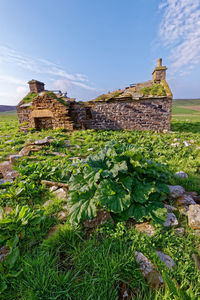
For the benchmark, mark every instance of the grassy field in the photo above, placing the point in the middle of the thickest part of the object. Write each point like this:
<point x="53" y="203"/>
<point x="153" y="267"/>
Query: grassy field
<point x="183" y="110"/>
<point x="76" y="264"/>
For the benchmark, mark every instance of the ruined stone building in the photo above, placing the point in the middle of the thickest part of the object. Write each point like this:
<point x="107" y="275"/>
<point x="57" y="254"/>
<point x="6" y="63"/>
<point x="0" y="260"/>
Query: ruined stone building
<point x="142" y="106"/>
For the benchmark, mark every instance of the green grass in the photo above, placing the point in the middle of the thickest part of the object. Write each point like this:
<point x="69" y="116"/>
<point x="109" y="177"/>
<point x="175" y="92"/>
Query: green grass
<point x="75" y="264"/>
<point x="186" y="102"/>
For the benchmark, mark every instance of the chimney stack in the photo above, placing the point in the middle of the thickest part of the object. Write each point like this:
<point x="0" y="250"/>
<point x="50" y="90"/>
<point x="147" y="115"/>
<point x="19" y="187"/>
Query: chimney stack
<point x="159" y="72"/>
<point x="36" y="86"/>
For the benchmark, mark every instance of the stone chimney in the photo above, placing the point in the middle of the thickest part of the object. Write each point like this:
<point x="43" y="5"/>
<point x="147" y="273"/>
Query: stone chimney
<point x="159" y="72"/>
<point x="36" y="86"/>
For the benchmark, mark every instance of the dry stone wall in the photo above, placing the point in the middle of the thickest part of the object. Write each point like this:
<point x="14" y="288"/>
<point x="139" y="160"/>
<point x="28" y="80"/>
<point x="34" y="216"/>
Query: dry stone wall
<point x="147" y="114"/>
<point x="124" y="114"/>
<point x="46" y="112"/>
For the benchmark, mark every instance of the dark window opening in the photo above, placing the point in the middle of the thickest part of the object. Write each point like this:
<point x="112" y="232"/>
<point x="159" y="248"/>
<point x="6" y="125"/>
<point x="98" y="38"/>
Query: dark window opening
<point x="43" y="123"/>
<point x="88" y="113"/>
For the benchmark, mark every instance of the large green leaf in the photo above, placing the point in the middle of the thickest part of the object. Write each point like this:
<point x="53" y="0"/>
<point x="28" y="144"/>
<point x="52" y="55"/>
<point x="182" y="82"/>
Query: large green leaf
<point x="113" y="196"/>
<point x="82" y="206"/>
<point x="142" y="191"/>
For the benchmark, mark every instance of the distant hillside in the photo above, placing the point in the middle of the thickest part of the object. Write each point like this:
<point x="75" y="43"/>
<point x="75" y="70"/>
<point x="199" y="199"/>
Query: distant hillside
<point x="7" y="108"/>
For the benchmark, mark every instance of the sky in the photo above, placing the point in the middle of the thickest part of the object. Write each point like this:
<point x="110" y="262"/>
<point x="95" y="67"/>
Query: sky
<point x="89" y="47"/>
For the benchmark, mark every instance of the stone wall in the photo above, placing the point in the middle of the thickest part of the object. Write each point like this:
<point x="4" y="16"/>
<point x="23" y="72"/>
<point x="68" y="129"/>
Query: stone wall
<point x="124" y="114"/>
<point x="44" y="112"/>
<point x="145" y="114"/>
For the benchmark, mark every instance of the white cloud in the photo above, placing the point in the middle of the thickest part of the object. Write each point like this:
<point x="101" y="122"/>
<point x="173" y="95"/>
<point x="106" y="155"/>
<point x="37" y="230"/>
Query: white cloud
<point x="180" y="32"/>
<point x="39" y="66"/>
<point x="11" y="79"/>
<point x="62" y="84"/>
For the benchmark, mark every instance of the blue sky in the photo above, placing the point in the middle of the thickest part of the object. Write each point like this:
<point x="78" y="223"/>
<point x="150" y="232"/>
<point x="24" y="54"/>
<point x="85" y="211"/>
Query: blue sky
<point x="88" y="47"/>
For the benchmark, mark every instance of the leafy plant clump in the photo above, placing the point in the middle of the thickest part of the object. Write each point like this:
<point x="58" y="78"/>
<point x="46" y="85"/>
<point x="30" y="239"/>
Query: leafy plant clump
<point x="21" y="224"/>
<point x="121" y="179"/>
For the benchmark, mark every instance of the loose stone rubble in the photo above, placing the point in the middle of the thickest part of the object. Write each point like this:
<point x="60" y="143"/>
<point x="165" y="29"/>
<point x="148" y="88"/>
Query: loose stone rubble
<point x="194" y="216"/>
<point x="171" y="220"/>
<point x="151" y="275"/>
<point x="166" y="259"/>
<point x="179" y="231"/>
<point x="176" y="191"/>
<point x="181" y="174"/>
<point x="60" y="193"/>
<point x="185" y="199"/>
<point x="146" y="228"/>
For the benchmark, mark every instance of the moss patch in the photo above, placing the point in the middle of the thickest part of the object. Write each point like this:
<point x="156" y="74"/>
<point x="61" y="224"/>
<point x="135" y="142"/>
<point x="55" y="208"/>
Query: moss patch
<point x="29" y="98"/>
<point x="61" y="100"/>
<point x="106" y="97"/>
<point x="155" y="90"/>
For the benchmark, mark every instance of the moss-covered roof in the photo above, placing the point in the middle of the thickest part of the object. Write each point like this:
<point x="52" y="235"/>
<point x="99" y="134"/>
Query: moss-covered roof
<point x="144" y="90"/>
<point x="31" y="96"/>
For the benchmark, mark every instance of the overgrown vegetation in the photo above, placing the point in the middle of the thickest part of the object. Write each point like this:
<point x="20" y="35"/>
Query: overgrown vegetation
<point x="74" y="264"/>
<point x="29" y="98"/>
<point x="120" y="178"/>
<point x="154" y="90"/>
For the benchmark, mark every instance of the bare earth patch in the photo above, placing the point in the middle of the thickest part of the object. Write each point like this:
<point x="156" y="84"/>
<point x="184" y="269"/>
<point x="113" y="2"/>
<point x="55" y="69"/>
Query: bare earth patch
<point x="193" y="107"/>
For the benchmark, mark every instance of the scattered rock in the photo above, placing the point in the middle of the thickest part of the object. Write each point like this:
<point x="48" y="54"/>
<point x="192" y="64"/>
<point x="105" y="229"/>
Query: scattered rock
<point x="146" y="228"/>
<point x="102" y="217"/>
<point x="176" y="139"/>
<point x="53" y="188"/>
<point x="62" y="215"/>
<point x="175" y="144"/>
<point x="170" y="208"/>
<point x="47" y="140"/>
<point x="47" y="203"/>
<point x="67" y="142"/>
<point x="90" y="149"/>
<point x="185" y="199"/>
<point x="171" y="220"/>
<point x="6" y="169"/>
<point x="29" y="148"/>
<point x="4" y="252"/>
<point x="166" y="259"/>
<point x="192" y="194"/>
<point x="2" y="181"/>
<point x="181" y="174"/>
<point x="77" y="146"/>
<point x="52" y="183"/>
<point x="59" y="154"/>
<point x="179" y="231"/>
<point x="13" y="158"/>
<point x="151" y="275"/>
<point x="60" y="193"/>
<point x="74" y="158"/>
<point x="176" y="191"/>
<point x="9" y="142"/>
<point x="187" y="144"/>
<point x="196" y="260"/>
<point x="194" y="216"/>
